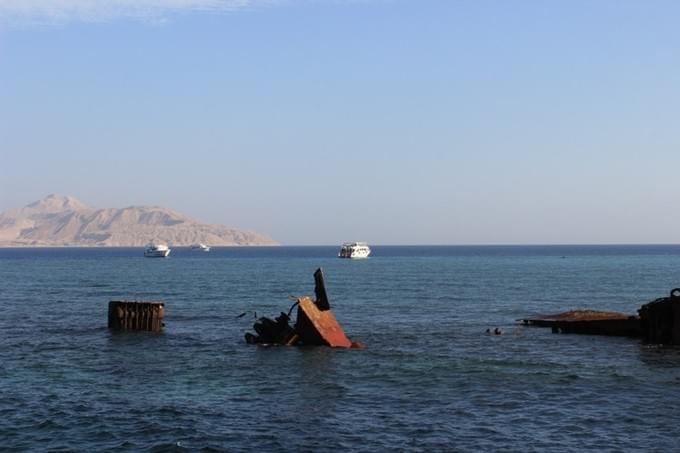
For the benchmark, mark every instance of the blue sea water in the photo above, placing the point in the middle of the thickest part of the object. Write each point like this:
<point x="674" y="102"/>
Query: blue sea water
<point x="430" y="378"/>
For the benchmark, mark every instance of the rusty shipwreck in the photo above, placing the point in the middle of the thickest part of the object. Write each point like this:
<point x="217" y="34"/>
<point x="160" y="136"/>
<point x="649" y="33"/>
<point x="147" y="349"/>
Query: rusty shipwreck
<point x="315" y="324"/>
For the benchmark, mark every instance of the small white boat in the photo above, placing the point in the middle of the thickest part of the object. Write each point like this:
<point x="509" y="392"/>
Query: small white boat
<point x="157" y="251"/>
<point x="200" y="248"/>
<point x="354" y="250"/>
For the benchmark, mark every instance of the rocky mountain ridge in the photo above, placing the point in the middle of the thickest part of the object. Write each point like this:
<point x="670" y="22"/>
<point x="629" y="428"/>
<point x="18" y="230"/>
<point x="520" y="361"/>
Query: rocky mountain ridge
<point x="59" y="220"/>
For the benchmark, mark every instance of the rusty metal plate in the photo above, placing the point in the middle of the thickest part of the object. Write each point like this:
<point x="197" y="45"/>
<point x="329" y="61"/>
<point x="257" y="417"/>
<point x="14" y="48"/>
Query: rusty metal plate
<point x="319" y="327"/>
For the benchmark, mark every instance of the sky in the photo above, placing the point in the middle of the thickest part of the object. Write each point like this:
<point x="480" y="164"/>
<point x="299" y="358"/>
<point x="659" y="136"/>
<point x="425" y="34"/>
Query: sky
<point x="323" y="121"/>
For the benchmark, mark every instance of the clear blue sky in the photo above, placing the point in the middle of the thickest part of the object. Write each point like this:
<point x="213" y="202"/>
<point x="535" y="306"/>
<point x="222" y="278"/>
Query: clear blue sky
<point x="395" y="122"/>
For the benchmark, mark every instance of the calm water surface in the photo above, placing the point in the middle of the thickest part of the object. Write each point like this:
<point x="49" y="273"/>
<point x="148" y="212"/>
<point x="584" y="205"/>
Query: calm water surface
<point x="430" y="379"/>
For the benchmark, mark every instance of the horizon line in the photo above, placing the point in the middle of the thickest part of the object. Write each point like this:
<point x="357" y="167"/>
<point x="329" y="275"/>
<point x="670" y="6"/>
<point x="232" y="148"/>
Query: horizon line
<point x="594" y="244"/>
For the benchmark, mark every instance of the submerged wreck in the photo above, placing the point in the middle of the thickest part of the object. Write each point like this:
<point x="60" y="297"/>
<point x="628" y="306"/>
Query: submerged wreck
<point x="315" y="324"/>
<point x="136" y="315"/>
<point x="657" y="322"/>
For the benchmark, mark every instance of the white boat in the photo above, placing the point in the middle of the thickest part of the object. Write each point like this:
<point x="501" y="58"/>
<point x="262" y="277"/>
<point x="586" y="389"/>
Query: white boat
<point x="354" y="250"/>
<point x="200" y="248"/>
<point x="156" y="251"/>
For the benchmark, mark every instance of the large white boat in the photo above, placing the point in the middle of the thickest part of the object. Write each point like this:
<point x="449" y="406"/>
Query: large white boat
<point x="200" y="248"/>
<point x="156" y="251"/>
<point x="354" y="250"/>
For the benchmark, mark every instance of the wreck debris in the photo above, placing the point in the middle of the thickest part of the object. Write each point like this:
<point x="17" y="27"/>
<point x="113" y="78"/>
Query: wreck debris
<point x="658" y="321"/>
<point x="269" y="331"/>
<point x="319" y="327"/>
<point x="315" y="323"/>
<point x="320" y="291"/>
<point x="591" y="322"/>
<point x="136" y="315"/>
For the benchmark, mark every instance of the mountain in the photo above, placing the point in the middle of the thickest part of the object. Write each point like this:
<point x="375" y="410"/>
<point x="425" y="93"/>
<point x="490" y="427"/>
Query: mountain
<point x="59" y="220"/>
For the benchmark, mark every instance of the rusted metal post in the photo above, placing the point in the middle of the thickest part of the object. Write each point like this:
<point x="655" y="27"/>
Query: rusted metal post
<point x="136" y="315"/>
<point x="321" y="301"/>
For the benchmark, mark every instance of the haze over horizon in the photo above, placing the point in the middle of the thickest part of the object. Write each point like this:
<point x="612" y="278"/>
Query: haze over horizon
<point x="318" y="122"/>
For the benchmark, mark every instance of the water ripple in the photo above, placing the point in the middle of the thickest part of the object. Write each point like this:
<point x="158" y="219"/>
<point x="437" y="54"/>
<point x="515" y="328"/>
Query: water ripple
<point x="430" y="378"/>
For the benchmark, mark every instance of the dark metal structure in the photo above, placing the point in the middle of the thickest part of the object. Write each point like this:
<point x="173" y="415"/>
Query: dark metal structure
<point x="136" y="315"/>
<point x="660" y="319"/>
<point x="315" y="323"/>
<point x="657" y="322"/>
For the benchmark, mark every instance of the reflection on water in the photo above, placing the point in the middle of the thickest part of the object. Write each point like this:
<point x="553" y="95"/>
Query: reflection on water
<point x="659" y="356"/>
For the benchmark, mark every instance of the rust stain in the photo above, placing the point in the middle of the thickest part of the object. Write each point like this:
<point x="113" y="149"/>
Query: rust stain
<point x="316" y="326"/>
<point x="136" y="315"/>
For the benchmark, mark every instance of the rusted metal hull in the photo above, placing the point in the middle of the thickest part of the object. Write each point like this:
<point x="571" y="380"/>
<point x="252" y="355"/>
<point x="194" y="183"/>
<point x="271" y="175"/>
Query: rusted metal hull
<point x="658" y="321"/>
<point x="136" y="315"/>
<point x="315" y="324"/>
<point x="319" y="327"/>
<point x="590" y="322"/>
<point x="269" y="331"/>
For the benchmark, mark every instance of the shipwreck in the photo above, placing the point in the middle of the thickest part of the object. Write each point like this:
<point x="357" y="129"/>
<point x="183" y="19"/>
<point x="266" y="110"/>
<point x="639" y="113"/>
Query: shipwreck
<point x="315" y="324"/>
<point x="136" y="315"/>
<point x="656" y="322"/>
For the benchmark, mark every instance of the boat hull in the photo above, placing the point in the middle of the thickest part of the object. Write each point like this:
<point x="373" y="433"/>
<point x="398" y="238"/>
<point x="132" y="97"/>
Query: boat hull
<point x="157" y="253"/>
<point x="351" y="252"/>
<point x="354" y="256"/>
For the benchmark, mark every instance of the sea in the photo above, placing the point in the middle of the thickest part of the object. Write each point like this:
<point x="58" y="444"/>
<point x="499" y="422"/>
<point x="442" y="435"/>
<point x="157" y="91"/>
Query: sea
<point x="429" y="379"/>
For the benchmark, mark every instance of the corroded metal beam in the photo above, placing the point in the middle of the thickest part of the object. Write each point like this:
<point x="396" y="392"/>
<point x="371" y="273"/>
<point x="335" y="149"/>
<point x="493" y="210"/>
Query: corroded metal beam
<point x="136" y="315"/>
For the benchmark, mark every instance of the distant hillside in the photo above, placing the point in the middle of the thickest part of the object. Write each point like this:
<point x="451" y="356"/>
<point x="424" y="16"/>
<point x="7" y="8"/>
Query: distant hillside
<point x="61" y="220"/>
